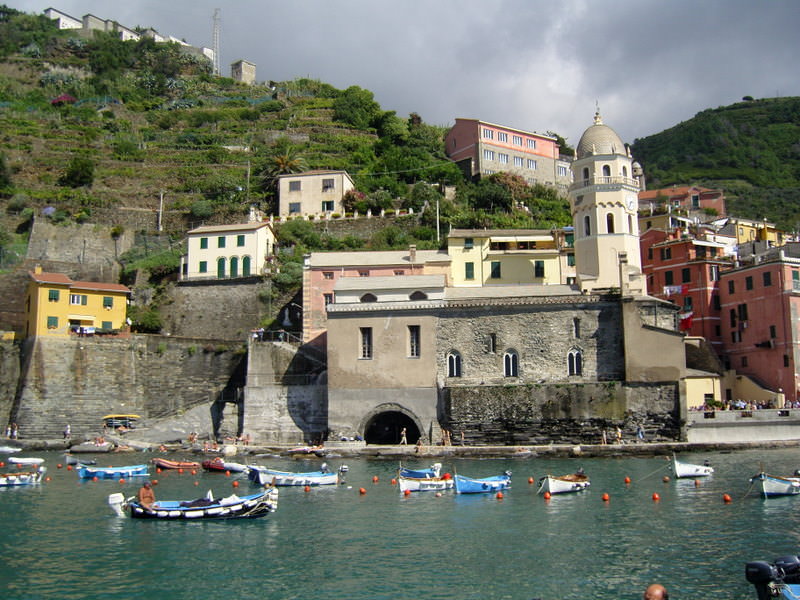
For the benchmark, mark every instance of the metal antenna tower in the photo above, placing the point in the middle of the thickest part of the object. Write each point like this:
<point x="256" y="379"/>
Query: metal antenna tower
<point x="215" y="41"/>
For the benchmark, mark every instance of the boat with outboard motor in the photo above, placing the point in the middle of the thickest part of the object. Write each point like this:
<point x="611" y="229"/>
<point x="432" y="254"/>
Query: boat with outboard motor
<point x="201" y="509"/>
<point x="165" y="463"/>
<point x="778" y="579"/>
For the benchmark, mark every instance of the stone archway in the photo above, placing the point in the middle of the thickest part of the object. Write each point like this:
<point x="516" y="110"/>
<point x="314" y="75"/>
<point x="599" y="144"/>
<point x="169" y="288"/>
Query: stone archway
<point x="384" y="424"/>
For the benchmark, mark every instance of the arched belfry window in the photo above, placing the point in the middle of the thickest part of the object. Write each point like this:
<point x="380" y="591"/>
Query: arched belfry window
<point x="511" y="364"/>
<point x="575" y="362"/>
<point x="587" y="226"/>
<point x="454" y="364"/>
<point x="624" y="171"/>
<point x="369" y="298"/>
<point x="585" y="173"/>
<point x="606" y="170"/>
<point x="418" y="296"/>
<point x="610" y="223"/>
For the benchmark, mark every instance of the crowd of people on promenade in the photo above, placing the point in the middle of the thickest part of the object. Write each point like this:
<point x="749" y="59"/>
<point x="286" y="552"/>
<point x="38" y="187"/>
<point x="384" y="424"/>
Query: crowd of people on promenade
<point x="740" y="404"/>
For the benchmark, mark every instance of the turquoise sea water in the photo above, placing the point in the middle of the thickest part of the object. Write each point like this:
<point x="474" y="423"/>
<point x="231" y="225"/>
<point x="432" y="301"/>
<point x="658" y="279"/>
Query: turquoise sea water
<point x="61" y="540"/>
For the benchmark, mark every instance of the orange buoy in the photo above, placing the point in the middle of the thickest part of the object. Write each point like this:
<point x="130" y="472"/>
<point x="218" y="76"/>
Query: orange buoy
<point x="656" y="497"/>
<point x="154" y="482"/>
<point x="227" y="473"/>
<point x="194" y="471"/>
<point x="665" y="479"/>
<point x="394" y="481"/>
<point x="530" y="480"/>
<point x="197" y="483"/>
<point x="374" y="479"/>
<point x="499" y="495"/>
<point x="58" y="466"/>
<point x="438" y="494"/>
<point x="19" y="466"/>
<point x="69" y="467"/>
<point x="235" y="484"/>
<point x="180" y="471"/>
<point x="627" y="480"/>
<point x="696" y="483"/>
<point x="407" y="493"/>
<point x="122" y="480"/>
<point x="158" y="469"/>
<point x="546" y="495"/>
<point x="606" y="497"/>
<point x="447" y="476"/>
<point x="362" y="491"/>
<point x="47" y="478"/>
<point x="2" y="464"/>
<point x="95" y="478"/>
<point x="726" y="499"/>
<point x="307" y="488"/>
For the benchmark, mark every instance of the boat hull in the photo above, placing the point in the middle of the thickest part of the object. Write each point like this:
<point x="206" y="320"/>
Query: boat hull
<point x="89" y="472"/>
<point x="433" y="471"/>
<point x="486" y="485"/>
<point x="163" y="463"/>
<point x="688" y="470"/>
<point x="219" y="465"/>
<point x="22" y="478"/>
<point x="264" y="476"/>
<point x="245" y="507"/>
<point x="424" y="484"/>
<point x="561" y="485"/>
<point x="771" y="486"/>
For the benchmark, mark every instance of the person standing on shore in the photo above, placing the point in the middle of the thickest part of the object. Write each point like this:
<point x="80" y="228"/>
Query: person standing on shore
<point x="403" y="439"/>
<point x="67" y="432"/>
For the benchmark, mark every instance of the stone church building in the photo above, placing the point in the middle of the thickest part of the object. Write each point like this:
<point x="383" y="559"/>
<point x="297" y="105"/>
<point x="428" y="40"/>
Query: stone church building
<point x="522" y="363"/>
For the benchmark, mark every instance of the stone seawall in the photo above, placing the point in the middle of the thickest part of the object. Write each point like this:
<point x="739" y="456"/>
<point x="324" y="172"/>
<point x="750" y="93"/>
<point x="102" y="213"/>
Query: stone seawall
<point x="78" y="380"/>
<point x="9" y="377"/>
<point x="561" y="413"/>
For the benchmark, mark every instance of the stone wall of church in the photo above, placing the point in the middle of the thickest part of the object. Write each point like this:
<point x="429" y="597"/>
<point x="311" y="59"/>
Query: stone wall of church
<point x="561" y="413"/>
<point x="542" y="335"/>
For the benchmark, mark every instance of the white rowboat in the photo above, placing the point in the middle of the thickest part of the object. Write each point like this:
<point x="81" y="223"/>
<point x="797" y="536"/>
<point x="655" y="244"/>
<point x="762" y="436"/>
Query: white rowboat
<point x="773" y="485"/>
<point x="682" y="469"/>
<point x="563" y="484"/>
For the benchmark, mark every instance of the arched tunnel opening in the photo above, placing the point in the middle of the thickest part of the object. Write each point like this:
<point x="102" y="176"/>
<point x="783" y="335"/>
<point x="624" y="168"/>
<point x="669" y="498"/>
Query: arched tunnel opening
<point x="385" y="428"/>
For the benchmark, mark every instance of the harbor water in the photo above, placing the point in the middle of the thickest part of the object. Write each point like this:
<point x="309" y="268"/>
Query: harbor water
<point x="61" y="540"/>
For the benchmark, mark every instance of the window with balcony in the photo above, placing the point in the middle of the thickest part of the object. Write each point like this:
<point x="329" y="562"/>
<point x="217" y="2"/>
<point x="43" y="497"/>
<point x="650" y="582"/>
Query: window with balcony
<point x="327" y="298"/>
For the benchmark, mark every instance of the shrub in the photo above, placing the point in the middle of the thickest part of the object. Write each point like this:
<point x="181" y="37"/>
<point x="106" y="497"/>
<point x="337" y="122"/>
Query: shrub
<point x="79" y="173"/>
<point x="202" y="209"/>
<point x="144" y="320"/>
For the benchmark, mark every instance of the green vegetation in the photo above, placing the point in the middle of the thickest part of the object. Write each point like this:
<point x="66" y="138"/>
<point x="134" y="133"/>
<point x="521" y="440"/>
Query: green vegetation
<point x="750" y="149"/>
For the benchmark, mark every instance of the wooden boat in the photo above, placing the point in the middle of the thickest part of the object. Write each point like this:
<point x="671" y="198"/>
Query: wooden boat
<point x="315" y="450"/>
<point x="433" y="471"/>
<point x="682" y="469"/>
<point x="772" y="485"/>
<point x="217" y="464"/>
<point x="424" y="484"/>
<point x="202" y="509"/>
<point x="485" y="485"/>
<point x="265" y="476"/>
<point x="163" y="463"/>
<point x="21" y="460"/>
<point x="90" y="472"/>
<point x="91" y="447"/>
<point x="22" y="477"/>
<point x="575" y="482"/>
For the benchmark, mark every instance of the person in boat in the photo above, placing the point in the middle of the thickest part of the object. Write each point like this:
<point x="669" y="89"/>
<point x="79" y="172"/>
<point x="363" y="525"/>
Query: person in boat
<point x="655" y="591"/>
<point x="146" y="497"/>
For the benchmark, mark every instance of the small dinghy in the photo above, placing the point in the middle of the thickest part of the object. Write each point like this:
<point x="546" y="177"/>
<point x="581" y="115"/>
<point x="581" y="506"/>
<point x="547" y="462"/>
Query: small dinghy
<point x="433" y="471"/>
<point x="9" y="449"/>
<point x="575" y="482"/>
<point x="687" y="470"/>
<point x="74" y="460"/>
<point x="22" y="477"/>
<point x="219" y="465"/>
<point x="21" y="460"/>
<point x="201" y="509"/>
<point x="90" y="472"/>
<point x="771" y="486"/>
<point x="485" y="485"/>
<point x="265" y="476"/>
<point x="163" y="463"/>
<point x="425" y="484"/>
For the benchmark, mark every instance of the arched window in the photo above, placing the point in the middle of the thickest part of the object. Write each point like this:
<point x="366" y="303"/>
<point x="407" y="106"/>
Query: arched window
<point x="234" y="266"/>
<point x="575" y="362"/>
<point x="610" y="223"/>
<point x="369" y="298"/>
<point x="245" y="266"/>
<point x="606" y="171"/>
<point x="221" y="268"/>
<point x="587" y="226"/>
<point x="418" y="296"/>
<point x="624" y="171"/>
<point x="454" y="364"/>
<point x="585" y="174"/>
<point x="511" y="364"/>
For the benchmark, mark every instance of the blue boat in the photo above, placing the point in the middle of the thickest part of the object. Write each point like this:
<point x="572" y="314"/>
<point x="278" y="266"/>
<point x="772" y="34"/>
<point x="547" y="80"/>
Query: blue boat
<point x="265" y="476"/>
<point x="429" y="473"/>
<point x="484" y="485"/>
<point x="90" y="472"/>
<point x="778" y="579"/>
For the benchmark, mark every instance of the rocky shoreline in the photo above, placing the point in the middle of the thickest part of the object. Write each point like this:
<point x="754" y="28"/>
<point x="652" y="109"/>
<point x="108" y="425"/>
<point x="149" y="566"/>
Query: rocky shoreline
<point x="362" y="450"/>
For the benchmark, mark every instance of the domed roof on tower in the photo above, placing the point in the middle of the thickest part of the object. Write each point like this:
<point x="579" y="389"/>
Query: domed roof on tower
<point x="600" y="139"/>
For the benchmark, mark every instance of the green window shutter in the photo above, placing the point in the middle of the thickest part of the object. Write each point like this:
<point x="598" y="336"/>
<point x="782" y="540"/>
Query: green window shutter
<point x="469" y="270"/>
<point x="52" y="322"/>
<point x="84" y="300"/>
<point x="221" y="241"/>
<point x="108" y="302"/>
<point x="107" y="325"/>
<point x="53" y="295"/>
<point x="240" y="240"/>
<point x="203" y="267"/>
<point x="203" y="243"/>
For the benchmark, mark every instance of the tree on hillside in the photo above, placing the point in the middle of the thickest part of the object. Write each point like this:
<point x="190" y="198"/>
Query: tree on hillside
<point x="5" y="172"/>
<point x="357" y="107"/>
<point x="79" y="173"/>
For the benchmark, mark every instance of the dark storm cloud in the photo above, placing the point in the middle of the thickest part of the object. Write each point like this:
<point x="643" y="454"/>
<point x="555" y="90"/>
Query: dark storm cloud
<point x="528" y="64"/>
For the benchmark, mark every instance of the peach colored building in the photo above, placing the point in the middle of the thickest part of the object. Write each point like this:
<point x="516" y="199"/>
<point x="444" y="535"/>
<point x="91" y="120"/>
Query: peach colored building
<point x="688" y="198"/>
<point x="322" y="270"/>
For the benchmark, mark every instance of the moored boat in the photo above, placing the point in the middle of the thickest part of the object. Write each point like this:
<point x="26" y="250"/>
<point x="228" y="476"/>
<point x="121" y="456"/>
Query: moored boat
<point x="424" y="484"/>
<point x="22" y="477"/>
<point x="264" y="476"/>
<point x="164" y="463"/>
<point x="22" y="460"/>
<point x="574" y="482"/>
<point x="483" y="485"/>
<point x="91" y="447"/>
<point x="90" y="472"/>
<point x="220" y="465"/>
<point x="778" y="579"/>
<point x="773" y="485"/>
<point x="682" y="469"/>
<point x="433" y="471"/>
<point x="9" y="449"/>
<point x="202" y="509"/>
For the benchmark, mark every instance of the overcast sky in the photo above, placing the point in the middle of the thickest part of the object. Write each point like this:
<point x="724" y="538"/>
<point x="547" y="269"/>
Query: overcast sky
<point x="530" y="64"/>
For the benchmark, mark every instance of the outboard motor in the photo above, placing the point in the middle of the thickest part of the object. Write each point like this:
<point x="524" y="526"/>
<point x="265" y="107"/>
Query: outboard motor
<point x="767" y="577"/>
<point x="789" y="566"/>
<point x="116" y="502"/>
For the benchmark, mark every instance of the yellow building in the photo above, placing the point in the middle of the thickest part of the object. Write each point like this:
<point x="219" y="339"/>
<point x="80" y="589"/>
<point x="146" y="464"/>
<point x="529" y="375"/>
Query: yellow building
<point x="57" y="305"/>
<point x="483" y="257"/>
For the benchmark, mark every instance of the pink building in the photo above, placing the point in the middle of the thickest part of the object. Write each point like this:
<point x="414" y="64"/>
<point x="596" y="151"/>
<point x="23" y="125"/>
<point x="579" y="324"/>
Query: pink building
<point x="687" y="198"/>
<point x="481" y="148"/>
<point x="686" y="271"/>
<point x="760" y="312"/>
<point x="322" y="270"/>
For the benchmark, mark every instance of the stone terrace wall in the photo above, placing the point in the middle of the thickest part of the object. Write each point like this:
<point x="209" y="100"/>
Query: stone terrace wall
<point x="9" y="377"/>
<point x="561" y="413"/>
<point x="78" y="380"/>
